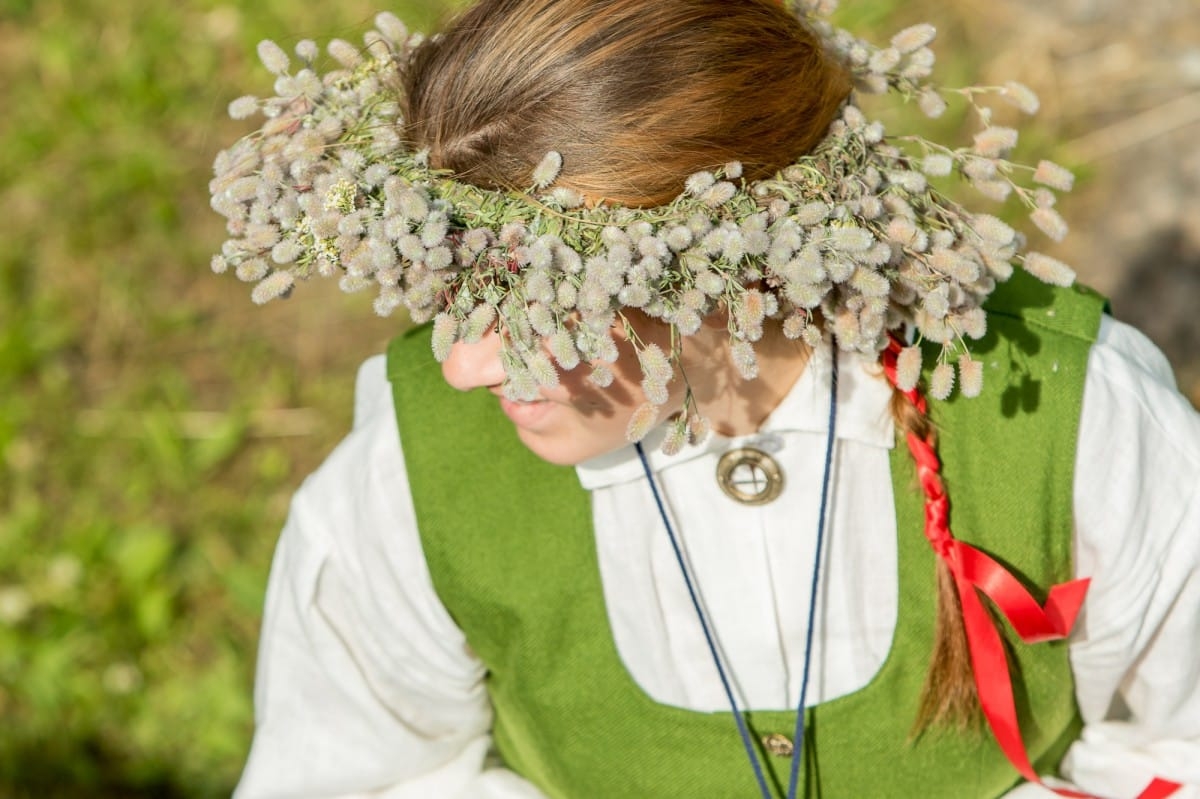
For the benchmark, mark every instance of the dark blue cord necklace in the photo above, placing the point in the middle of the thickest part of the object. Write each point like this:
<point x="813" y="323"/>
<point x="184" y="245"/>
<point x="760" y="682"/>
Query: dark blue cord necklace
<point x="738" y="716"/>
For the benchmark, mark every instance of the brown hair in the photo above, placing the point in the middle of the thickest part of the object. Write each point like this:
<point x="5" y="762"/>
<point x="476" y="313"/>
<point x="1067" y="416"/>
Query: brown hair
<point x="636" y="95"/>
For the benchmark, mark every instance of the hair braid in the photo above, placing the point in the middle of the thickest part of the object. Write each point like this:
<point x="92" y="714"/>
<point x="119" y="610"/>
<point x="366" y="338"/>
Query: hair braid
<point x="948" y="697"/>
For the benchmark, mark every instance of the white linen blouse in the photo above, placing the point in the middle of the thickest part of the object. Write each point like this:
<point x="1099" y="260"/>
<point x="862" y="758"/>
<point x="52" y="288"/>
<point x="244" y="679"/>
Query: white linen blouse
<point x="366" y="687"/>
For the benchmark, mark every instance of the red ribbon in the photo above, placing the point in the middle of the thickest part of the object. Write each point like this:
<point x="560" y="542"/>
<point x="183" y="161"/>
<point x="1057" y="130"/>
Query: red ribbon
<point x="976" y="572"/>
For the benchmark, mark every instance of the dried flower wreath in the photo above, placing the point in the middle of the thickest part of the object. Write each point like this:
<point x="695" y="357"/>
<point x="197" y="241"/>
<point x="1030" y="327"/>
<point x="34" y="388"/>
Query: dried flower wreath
<point x="850" y="240"/>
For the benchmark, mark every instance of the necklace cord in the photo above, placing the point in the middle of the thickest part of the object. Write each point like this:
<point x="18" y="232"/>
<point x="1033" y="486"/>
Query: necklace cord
<point x="708" y="637"/>
<point x="743" y="731"/>
<point x="798" y="737"/>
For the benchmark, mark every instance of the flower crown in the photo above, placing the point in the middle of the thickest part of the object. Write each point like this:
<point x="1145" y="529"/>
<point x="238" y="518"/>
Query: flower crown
<point x="850" y="240"/>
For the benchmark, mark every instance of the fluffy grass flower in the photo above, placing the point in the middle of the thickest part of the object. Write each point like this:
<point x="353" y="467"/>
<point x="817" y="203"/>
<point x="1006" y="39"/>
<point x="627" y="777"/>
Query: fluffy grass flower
<point x="677" y="436"/>
<point x="997" y="190"/>
<point x="931" y="103"/>
<point x="542" y="369"/>
<point x="884" y="60"/>
<point x="718" y="194"/>
<point x="742" y="354"/>
<point x="992" y="230"/>
<point x="1056" y="177"/>
<point x="656" y="393"/>
<point x="937" y="165"/>
<point x="520" y="385"/>
<point x="307" y="51"/>
<point x="941" y="381"/>
<point x="995" y="141"/>
<point x="641" y="422"/>
<point x="699" y="183"/>
<point x="908" y="368"/>
<point x="562" y="347"/>
<point x="392" y="28"/>
<point x="601" y="376"/>
<point x="1021" y="96"/>
<point x="914" y="37"/>
<point x="1049" y="222"/>
<point x="273" y="57"/>
<point x="1048" y="269"/>
<point x="655" y="364"/>
<point x="344" y="53"/>
<point x="970" y="376"/>
<point x="445" y="333"/>
<point x="547" y="170"/>
<point x="851" y="239"/>
<point x="272" y="287"/>
<point x="811" y="213"/>
<point x="243" y="107"/>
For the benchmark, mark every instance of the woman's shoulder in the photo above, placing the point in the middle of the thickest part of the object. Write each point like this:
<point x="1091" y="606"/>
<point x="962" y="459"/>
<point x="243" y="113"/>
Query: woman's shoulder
<point x="1137" y="469"/>
<point x="362" y="484"/>
<point x="354" y="514"/>
<point x="372" y="391"/>
<point x="1130" y="384"/>
<point x="1127" y="351"/>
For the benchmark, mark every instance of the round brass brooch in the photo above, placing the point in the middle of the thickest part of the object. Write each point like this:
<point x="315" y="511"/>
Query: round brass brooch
<point x="749" y="476"/>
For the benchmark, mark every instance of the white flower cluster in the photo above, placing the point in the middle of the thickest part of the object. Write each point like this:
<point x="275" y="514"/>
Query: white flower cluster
<point x="850" y="240"/>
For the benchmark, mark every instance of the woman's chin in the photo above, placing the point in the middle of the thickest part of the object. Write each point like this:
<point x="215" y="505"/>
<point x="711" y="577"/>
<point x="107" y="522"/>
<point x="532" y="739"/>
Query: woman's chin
<point x="549" y="449"/>
<point x="561" y="448"/>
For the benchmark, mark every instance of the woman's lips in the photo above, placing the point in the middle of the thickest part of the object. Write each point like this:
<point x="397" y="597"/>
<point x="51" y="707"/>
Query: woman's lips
<point x="525" y="414"/>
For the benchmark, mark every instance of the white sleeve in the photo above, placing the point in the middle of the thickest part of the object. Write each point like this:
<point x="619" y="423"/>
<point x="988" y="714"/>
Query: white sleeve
<point x="365" y="686"/>
<point x="1135" y="652"/>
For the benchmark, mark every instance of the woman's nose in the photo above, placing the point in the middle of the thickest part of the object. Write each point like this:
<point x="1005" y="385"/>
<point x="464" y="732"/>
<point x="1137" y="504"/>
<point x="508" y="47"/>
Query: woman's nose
<point x="475" y="365"/>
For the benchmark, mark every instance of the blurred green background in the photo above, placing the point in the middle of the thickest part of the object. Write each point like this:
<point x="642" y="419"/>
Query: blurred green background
<point x="153" y="423"/>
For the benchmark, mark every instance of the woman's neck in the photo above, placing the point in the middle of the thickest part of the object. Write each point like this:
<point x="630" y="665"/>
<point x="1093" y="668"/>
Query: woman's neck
<point x="734" y="405"/>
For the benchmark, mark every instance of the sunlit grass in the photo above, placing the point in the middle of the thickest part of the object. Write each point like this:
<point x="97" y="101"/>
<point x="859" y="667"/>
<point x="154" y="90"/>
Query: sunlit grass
<point x="153" y="423"/>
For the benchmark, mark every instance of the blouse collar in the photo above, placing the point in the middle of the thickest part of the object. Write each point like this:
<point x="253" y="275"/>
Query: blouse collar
<point x="863" y="416"/>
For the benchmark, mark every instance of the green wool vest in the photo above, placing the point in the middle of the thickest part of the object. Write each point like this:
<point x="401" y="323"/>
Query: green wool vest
<point x="509" y="543"/>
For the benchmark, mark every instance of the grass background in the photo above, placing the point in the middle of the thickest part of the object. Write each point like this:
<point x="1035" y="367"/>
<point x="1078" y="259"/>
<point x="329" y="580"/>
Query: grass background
<point x="153" y="423"/>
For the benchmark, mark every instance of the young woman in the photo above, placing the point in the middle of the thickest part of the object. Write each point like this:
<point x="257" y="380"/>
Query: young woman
<point x="668" y="223"/>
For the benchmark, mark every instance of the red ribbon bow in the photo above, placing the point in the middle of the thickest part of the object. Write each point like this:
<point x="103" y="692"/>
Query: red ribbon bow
<point x="976" y="572"/>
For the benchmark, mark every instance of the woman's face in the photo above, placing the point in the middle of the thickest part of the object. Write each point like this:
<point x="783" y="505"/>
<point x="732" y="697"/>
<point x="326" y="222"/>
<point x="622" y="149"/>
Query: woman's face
<point x="575" y="420"/>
